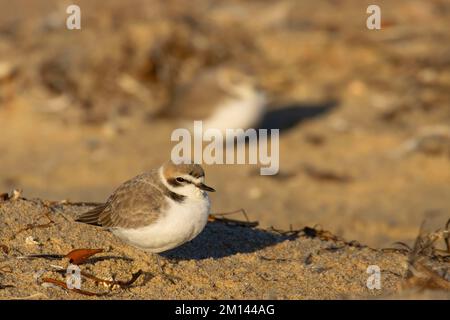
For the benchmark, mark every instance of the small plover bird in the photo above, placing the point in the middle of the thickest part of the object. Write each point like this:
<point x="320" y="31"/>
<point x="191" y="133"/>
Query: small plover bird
<point x="223" y="98"/>
<point x="158" y="210"/>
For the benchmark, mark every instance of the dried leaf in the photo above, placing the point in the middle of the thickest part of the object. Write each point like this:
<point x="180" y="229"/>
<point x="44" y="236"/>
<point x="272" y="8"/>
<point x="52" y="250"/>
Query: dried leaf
<point x="422" y="276"/>
<point x="133" y="279"/>
<point x="4" y="248"/>
<point x="424" y="258"/>
<point x="79" y="256"/>
<point x="63" y="285"/>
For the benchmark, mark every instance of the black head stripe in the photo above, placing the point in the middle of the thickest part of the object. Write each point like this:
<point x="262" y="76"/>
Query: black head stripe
<point x="173" y="182"/>
<point x="175" y="196"/>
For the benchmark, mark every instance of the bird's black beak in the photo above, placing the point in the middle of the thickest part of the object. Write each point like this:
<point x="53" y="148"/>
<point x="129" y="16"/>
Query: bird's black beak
<point x="205" y="187"/>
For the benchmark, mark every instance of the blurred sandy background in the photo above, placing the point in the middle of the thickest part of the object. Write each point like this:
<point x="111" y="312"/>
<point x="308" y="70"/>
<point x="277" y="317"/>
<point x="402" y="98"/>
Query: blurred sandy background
<point x="365" y="144"/>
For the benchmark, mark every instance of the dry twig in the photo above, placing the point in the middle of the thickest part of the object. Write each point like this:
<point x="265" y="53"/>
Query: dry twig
<point x="250" y="224"/>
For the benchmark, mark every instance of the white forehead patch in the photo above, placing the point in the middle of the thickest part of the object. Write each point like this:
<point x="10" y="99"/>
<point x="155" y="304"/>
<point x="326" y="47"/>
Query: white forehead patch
<point x="193" y="179"/>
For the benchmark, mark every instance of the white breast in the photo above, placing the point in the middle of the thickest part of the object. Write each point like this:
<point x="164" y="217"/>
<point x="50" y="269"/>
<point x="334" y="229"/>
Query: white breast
<point x="238" y="113"/>
<point x="181" y="223"/>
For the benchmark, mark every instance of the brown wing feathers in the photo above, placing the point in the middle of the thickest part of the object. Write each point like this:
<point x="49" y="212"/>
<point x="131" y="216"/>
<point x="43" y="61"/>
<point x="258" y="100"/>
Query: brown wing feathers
<point x="137" y="202"/>
<point x="92" y="216"/>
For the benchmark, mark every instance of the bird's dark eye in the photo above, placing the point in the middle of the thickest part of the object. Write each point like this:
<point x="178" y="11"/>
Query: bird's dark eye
<point x="181" y="180"/>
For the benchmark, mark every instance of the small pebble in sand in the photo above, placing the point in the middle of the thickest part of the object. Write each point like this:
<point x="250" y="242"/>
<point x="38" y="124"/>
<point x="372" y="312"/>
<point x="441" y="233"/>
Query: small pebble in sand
<point x="30" y="241"/>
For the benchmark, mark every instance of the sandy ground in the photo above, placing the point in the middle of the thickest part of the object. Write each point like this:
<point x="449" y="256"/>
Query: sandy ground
<point x="364" y="149"/>
<point x="224" y="262"/>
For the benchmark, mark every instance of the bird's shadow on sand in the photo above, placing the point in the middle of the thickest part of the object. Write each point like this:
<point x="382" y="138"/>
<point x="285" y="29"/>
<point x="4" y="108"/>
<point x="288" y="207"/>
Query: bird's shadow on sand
<point x="286" y="117"/>
<point x="220" y="240"/>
